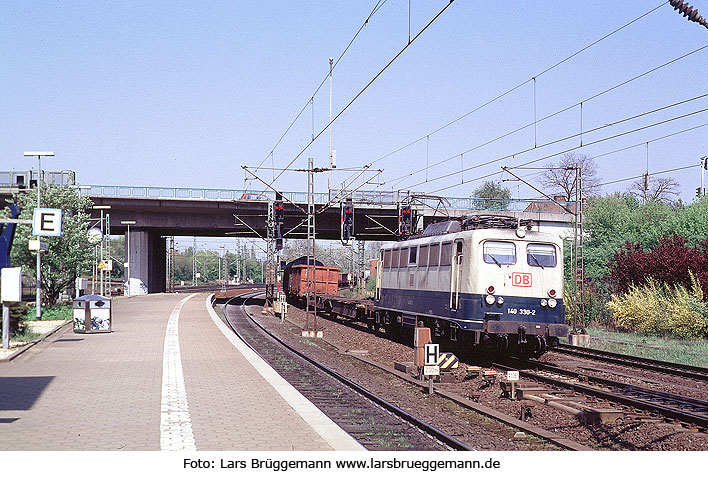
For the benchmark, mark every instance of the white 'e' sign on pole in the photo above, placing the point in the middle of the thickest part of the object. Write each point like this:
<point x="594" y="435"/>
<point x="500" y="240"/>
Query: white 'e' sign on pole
<point x="47" y="222"/>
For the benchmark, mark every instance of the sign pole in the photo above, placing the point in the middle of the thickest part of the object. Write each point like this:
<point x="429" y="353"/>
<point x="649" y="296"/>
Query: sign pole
<point x="39" y="156"/>
<point x="5" y="325"/>
<point x="38" y="295"/>
<point x="431" y="368"/>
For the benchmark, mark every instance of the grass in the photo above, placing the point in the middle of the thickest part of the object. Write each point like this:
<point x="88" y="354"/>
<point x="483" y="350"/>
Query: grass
<point x="28" y="314"/>
<point x="690" y="352"/>
<point x="55" y="312"/>
<point x="26" y="336"/>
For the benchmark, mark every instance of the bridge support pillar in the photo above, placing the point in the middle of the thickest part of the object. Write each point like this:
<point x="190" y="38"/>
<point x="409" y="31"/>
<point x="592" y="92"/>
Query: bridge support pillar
<point x="148" y="259"/>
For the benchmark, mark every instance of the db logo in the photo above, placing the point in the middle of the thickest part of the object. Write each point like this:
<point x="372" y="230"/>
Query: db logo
<point x="521" y="279"/>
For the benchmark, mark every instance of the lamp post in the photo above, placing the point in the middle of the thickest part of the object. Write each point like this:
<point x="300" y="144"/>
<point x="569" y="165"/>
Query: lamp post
<point x="103" y="241"/>
<point x="329" y="181"/>
<point x="39" y="156"/>
<point x="127" y="223"/>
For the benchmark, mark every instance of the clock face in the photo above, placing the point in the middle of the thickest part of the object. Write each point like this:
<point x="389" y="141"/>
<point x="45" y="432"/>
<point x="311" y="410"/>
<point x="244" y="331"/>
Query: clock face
<point x="94" y="235"/>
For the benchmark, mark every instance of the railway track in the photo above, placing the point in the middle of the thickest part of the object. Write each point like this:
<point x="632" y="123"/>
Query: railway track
<point x="672" y="406"/>
<point x="463" y="401"/>
<point x="373" y="422"/>
<point x="678" y="369"/>
<point x="217" y="287"/>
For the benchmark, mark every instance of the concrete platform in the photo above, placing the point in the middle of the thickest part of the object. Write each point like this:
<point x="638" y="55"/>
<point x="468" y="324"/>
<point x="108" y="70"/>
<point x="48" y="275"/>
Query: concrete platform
<point x="170" y="377"/>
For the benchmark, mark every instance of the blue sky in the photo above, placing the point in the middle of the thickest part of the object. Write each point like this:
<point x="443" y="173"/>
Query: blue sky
<point x="185" y="93"/>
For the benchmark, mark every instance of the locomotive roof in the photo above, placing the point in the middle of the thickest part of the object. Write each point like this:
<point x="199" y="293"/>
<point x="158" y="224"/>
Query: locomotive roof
<point x="494" y="233"/>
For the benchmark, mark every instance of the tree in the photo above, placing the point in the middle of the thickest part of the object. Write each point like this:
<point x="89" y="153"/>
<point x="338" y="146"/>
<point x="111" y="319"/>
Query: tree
<point x="68" y="256"/>
<point x="661" y="189"/>
<point x="559" y="177"/>
<point x="491" y="196"/>
<point x="614" y="220"/>
<point x="673" y="262"/>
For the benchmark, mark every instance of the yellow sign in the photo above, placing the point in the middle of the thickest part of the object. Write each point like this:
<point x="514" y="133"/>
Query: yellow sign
<point x="105" y="265"/>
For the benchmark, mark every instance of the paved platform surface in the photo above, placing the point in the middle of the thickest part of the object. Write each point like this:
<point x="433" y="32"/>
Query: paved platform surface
<point x="167" y="378"/>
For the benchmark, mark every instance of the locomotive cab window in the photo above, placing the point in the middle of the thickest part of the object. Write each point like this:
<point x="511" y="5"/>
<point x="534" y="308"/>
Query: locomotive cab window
<point x="413" y="256"/>
<point x="541" y="255"/>
<point x="387" y="259"/>
<point x="434" y="254"/>
<point x="403" y="262"/>
<point x="446" y="254"/>
<point x="394" y="258"/>
<point x="499" y="253"/>
<point x="423" y="256"/>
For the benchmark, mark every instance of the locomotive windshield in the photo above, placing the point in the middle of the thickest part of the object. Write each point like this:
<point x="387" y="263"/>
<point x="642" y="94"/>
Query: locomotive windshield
<point x="500" y="253"/>
<point x="540" y="255"/>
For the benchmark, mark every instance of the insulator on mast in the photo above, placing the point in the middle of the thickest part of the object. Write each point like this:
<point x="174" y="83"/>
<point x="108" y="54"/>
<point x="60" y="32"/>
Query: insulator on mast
<point x="688" y="12"/>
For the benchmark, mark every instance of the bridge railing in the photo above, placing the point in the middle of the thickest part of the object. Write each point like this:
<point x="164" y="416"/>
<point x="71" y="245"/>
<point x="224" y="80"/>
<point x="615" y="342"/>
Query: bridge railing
<point x="17" y="180"/>
<point x="28" y="178"/>
<point x="188" y="193"/>
<point x="378" y="198"/>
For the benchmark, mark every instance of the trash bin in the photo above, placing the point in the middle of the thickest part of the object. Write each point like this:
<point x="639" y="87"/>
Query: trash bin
<point x="92" y="314"/>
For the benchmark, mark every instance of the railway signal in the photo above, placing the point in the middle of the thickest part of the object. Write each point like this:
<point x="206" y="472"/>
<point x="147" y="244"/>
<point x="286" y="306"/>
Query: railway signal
<point x="347" y="228"/>
<point x="279" y="218"/>
<point x="405" y="221"/>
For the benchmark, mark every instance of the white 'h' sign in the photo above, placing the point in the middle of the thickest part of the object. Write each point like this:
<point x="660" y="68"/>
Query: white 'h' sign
<point x="432" y="352"/>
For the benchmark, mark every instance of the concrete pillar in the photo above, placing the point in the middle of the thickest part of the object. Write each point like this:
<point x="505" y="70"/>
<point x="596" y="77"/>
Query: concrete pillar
<point x="148" y="259"/>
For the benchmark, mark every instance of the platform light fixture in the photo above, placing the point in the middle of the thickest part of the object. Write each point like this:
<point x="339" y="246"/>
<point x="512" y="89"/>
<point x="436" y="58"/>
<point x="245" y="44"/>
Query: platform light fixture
<point x="38" y="298"/>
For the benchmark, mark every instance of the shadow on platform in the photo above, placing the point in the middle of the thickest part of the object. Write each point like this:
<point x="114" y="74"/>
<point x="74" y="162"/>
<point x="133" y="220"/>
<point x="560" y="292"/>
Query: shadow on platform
<point x="20" y="393"/>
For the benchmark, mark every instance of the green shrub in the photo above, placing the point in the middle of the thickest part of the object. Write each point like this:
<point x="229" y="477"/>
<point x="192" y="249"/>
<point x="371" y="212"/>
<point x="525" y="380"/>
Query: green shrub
<point x="657" y="309"/>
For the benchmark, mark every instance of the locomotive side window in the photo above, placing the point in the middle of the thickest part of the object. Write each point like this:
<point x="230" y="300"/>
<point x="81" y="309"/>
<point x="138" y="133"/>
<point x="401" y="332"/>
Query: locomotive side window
<point x="387" y="259"/>
<point x="446" y="254"/>
<point x="403" y="262"/>
<point x="540" y="255"/>
<point x="423" y="256"/>
<point x="394" y="258"/>
<point x="434" y="254"/>
<point x="500" y="253"/>
<point x="413" y="256"/>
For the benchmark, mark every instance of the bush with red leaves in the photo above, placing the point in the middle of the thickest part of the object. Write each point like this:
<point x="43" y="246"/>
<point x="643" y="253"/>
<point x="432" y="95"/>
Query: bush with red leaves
<point x="669" y="262"/>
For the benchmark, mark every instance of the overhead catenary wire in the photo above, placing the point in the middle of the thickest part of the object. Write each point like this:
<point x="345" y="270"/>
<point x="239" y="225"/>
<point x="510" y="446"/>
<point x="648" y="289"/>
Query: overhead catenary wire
<point x="539" y="170"/>
<point x="547" y="117"/>
<point x="346" y="107"/>
<point x="568" y="137"/>
<point x="570" y="150"/>
<point x="377" y="7"/>
<point x="513" y="89"/>
<point x="686" y="167"/>
<point x="546" y="157"/>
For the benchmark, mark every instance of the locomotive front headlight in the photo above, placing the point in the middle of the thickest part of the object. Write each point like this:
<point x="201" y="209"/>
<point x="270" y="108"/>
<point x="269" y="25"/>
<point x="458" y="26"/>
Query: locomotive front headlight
<point x="552" y="303"/>
<point x="489" y="299"/>
<point x="544" y="302"/>
<point x="500" y="301"/>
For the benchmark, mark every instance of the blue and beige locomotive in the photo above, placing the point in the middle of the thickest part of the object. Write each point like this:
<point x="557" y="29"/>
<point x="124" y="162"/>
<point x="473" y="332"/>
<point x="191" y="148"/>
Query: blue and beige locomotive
<point x="488" y="285"/>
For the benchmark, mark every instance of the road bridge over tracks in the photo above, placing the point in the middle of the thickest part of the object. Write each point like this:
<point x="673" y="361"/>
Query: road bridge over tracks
<point x="159" y="212"/>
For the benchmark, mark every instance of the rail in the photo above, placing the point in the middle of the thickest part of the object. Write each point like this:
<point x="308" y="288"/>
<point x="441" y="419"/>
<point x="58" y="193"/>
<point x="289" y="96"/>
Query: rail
<point x="439" y="436"/>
